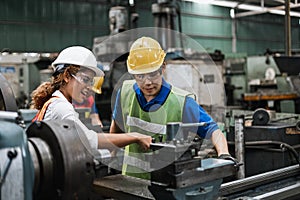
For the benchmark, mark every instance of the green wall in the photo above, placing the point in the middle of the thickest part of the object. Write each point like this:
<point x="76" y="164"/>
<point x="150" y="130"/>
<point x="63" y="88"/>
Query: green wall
<point x="211" y="26"/>
<point x="50" y="25"/>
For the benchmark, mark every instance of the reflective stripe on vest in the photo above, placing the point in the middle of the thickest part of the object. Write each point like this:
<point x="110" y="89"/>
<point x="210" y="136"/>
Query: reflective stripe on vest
<point x="146" y="126"/>
<point x="137" y="162"/>
<point x="41" y="113"/>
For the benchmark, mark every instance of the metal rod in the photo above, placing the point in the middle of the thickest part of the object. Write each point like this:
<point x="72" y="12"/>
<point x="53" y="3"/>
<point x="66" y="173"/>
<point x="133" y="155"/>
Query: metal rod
<point x="233" y="33"/>
<point x="11" y="155"/>
<point x="257" y="180"/>
<point x="240" y="144"/>
<point x="283" y="193"/>
<point x="193" y="124"/>
<point x="288" y="51"/>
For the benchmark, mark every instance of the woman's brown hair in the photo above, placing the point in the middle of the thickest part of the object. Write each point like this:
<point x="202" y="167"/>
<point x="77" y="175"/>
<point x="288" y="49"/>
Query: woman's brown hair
<point x="44" y="92"/>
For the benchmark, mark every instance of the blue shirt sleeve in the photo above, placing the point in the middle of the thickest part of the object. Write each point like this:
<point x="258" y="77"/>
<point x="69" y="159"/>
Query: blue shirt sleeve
<point x="117" y="112"/>
<point x="94" y="108"/>
<point x="194" y="113"/>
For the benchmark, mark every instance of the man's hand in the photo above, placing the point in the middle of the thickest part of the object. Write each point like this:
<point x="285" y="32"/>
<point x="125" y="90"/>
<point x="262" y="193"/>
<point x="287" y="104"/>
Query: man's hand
<point x="229" y="157"/>
<point x="143" y="140"/>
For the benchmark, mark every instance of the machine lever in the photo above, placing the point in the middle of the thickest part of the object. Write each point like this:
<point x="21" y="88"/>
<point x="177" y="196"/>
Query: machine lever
<point x="284" y="118"/>
<point x="160" y="138"/>
<point x="11" y="155"/>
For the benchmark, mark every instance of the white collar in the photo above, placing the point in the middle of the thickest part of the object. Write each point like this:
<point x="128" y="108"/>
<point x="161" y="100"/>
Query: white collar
<point x="59" y="94"/>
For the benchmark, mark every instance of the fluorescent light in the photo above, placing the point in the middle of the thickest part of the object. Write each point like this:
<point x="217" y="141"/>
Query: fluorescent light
<point x="230" y="4"/>
<point x="131" y="2"/>
<point x="232" y="14"/>
<point x="201" y="1"/>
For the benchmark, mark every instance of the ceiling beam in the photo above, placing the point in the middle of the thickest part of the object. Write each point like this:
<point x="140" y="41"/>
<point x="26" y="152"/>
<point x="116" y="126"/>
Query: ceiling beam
<point x="273" y="10"/>
<point x="252" y="9"/>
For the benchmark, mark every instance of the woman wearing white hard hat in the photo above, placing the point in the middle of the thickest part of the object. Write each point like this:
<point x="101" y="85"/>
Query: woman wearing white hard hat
<point x="75" y="76"/>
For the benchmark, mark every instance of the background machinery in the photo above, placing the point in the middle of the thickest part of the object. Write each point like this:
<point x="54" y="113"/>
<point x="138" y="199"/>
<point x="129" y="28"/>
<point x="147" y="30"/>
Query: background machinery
<point x="21" y="70"/>
<point x="270" y="81"/>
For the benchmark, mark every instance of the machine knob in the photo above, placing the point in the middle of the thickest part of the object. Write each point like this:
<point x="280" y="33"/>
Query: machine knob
<point x="153" y="140"/>
<point x="261" y="117"/>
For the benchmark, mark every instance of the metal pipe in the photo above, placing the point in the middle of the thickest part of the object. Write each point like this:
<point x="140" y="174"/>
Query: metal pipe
<point x="288" y="51"/>
<point x="178" y="11"/>
<point x="240" y="144"/>
<point x="194" y="124"/>
<point x="233" y="32"/>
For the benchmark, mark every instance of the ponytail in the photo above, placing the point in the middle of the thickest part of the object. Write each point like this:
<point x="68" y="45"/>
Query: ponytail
<point x="42" y="94"/>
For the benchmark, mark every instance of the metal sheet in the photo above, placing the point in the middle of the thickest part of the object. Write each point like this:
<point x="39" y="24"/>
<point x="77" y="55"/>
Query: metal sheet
<point x="123" y="187"/>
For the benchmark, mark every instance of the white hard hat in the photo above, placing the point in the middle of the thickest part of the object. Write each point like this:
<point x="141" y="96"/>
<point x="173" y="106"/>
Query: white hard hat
<point x="78" y="55"/>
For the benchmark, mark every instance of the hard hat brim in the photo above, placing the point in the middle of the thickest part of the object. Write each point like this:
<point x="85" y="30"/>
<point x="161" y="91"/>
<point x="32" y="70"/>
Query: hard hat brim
<point x="96" y="70"/>
<point x="144" y="70"/>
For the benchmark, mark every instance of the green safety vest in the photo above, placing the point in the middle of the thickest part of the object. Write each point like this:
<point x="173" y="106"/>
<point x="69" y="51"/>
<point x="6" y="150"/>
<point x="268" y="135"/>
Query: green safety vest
<point x="151" y="123"/>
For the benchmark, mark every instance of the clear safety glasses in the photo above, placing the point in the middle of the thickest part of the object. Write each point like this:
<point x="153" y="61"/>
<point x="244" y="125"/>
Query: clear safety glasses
<point x="94" y="82"/>
<point x="150" y="76"/>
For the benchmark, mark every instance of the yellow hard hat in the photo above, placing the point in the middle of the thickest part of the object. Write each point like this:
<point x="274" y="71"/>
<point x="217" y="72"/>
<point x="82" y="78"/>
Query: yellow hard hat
<point x="145" y="56"/>
<point x="98" y="82"/>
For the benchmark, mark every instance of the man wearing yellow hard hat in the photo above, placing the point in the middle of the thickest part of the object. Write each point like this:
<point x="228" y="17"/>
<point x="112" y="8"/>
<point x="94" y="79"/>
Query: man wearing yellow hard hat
<point x="147" y="103"/>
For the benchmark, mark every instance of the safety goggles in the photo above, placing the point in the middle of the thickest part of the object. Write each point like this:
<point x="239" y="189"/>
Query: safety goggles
<point x="94" y="82"/>
<point x="150" y="76"/>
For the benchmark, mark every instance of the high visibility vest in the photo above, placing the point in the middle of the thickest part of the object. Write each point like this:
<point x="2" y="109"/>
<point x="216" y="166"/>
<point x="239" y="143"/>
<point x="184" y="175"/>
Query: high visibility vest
<point x="41" y="113"/>
<point x="151" y="123"/>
